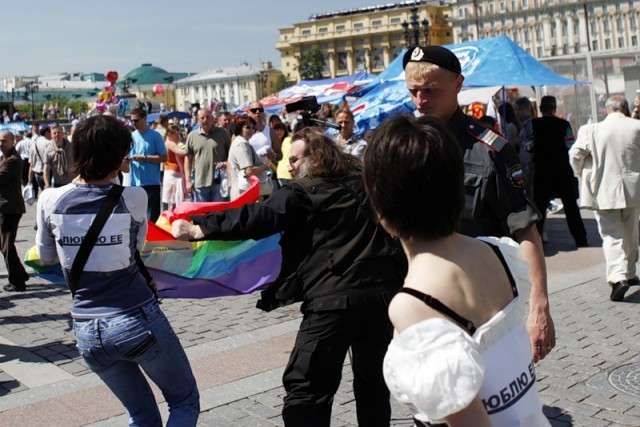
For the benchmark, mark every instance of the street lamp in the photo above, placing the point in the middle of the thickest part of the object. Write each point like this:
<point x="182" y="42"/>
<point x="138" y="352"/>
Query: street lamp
<point x="263" y="77"/>
<point x="32" y="88"/>
<point x="414" y="31"/>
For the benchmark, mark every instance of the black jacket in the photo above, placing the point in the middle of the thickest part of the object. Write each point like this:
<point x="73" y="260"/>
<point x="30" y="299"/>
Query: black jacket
<point x="330" y="241"/>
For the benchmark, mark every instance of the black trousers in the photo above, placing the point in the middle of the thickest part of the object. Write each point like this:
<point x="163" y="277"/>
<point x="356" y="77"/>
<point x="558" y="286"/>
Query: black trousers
<point x="564" y="186"/>
<point x="153" y="207"/>
<point x="313" y="374"/>
<point x="8" y="231"/>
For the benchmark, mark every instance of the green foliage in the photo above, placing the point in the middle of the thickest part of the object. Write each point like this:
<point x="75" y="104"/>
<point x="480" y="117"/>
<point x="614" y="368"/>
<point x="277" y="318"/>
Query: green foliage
<point x="281" y="83"/>
<point x="310" y="64"/>
<point x="76" y="105"/>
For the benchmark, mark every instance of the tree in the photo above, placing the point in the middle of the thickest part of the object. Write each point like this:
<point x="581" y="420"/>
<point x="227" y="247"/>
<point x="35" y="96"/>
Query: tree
<point x="311" y="64"/>
<point x="281" y="83"/>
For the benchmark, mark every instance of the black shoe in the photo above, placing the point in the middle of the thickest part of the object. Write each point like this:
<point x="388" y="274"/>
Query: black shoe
<point x="618" y="289"/>
<point x="634" y="281"/>
<point x="13" y="288"/>
<point x="582" y="244"/>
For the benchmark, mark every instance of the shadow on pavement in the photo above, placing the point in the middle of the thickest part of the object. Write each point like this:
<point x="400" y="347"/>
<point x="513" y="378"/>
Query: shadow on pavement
<point x="557" y="416"/>
<point x="560" y="239"/>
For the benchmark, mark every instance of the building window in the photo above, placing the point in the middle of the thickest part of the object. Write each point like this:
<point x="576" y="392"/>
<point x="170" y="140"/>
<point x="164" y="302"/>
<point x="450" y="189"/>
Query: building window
<point x="594" y="26"/>
<point x="632" y="22"/>
<point x="576" y="47"/>
<point x="323" y="30"/>
<point x="397" y="37"/>
<point x="607" y="26"/>
<point x="461" y="13"/>
<point x="607" y="44"/>
<point x="480" y="10"/>
<point x="491" y="8"/>
<point x="619" y="24"/>
<point x="594" y="45"/>
<point x="634" y="41"/>
<point x="324" y="45"/>
<point x="340" y="27"/>
<point x="306" y="32"/>
<point x="361" y="64"/>
<point x="378" y="60"/>
<point x="539" y="52"/>
<point x="620" y="41"/>
<point x="377" y="39"/>
<point x="341" y="43"/>
<point x="325" y="64"/>
<point x="342" y="61"/>
<point x="396" y="50"/>
<point x="359" y="41"/>
<point x="376" y="22"/>
<point x="502" y="7"/>
<point x="394" y="20"/>
<point x="358" y="25"/>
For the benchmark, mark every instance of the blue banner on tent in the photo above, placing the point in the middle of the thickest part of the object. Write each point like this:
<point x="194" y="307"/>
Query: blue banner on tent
<point x="14" y="127"/>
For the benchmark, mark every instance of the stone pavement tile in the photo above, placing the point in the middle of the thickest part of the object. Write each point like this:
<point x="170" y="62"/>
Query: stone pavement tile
<point x="611" y="405"/>
<point x="617" y="418"/>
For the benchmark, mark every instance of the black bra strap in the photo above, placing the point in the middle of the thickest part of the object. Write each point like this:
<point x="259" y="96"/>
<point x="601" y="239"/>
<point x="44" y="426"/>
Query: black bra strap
<point x="439" y="306"/>
<point x="498" y="253"/>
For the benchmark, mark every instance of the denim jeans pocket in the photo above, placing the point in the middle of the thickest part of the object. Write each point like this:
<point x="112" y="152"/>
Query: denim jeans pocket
<point x="140" y="348"/>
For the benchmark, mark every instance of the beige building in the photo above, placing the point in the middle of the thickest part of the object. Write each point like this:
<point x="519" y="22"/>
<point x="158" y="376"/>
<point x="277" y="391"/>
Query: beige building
<point x="363" y="39"/>
<point x="231" y="87"/>
<point x="550" y="27"/>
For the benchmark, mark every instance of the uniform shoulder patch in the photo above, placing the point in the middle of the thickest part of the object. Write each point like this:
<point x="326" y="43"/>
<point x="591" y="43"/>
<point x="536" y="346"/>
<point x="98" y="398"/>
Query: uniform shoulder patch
<point x="488" y="137"/>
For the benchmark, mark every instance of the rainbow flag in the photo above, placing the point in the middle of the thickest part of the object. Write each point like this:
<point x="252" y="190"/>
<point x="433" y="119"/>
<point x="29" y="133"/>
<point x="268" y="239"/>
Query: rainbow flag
<point x="198" y="269"/>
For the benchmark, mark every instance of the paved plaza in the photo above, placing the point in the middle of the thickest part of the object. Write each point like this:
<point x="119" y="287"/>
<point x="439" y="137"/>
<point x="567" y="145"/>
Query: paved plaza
<point x="238" y="352"/>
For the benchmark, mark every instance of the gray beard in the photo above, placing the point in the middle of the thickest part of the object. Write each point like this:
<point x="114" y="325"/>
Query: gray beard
<point x="303" y="171"/>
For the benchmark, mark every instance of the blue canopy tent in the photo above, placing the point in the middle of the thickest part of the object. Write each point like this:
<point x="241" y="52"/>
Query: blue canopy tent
<point x="496" y="61"/>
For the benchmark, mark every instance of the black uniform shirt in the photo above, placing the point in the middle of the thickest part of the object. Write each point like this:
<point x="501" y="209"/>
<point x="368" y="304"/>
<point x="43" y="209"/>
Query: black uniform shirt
<point x="495" y="200"/>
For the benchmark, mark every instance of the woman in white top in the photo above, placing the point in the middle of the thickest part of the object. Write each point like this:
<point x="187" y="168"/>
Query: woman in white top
<point x="243" y="159"/>
<point x="461" y="354"/>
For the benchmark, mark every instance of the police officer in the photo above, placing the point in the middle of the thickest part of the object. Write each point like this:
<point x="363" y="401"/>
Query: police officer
<point x="495" y="200"/>
<point x="338" y="262"/>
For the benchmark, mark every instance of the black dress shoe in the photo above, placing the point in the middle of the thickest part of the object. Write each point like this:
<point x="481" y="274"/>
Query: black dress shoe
<point x="618" y="289"/>
<point x="13" y="288"/>
<point x="634" y="281"/>
<point x="582" y="244"/>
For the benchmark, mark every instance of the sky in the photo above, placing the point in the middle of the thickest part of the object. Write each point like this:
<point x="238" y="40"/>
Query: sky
<point x="43" y="37"/>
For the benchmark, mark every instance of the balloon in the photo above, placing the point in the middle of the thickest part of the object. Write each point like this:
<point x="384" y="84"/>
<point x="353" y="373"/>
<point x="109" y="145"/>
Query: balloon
<point x="102" y="96"/>
<point x="101" y="106"/>
<point x="158" y="89"/>
<point x="112" y="76"/>
<point x="109" y="87"/>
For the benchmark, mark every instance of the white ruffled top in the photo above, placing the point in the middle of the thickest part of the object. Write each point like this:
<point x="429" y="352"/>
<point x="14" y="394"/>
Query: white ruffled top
<point x="437" y="369"/>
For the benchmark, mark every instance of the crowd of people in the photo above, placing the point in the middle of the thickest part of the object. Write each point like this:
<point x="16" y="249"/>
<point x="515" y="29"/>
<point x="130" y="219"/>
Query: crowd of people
<point x="414" y="248"/>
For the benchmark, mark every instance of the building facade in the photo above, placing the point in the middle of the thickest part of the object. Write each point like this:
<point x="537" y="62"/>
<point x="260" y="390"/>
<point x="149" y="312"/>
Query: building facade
<point x="230" y="87"/>
<point x="364" y="39"/>
<point x="547" y="28"/>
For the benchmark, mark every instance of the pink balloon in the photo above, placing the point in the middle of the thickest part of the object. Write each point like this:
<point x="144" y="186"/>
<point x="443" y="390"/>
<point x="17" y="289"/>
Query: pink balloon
<point x="109" y="87"/>
<point x="101" y="106"/>
<point x="158" y="89"/>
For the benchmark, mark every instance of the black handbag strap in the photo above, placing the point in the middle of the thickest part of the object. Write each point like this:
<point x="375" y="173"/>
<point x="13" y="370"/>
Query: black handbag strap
<point x="90" y="239"/>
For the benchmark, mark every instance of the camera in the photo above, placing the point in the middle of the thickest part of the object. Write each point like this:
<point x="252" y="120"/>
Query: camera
<point x="308" y="107"/>
<point x="308" y="104"/>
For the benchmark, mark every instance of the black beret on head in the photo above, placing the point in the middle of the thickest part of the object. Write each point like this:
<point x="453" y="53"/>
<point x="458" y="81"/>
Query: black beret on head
<point x="438" y="55"/>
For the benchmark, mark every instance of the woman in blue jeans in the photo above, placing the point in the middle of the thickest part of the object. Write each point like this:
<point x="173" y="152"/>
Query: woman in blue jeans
<point x="119" y="327"/>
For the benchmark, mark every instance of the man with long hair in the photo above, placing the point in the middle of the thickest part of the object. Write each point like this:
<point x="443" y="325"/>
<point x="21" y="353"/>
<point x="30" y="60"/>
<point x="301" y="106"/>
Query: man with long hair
<point x="338" y="262"/>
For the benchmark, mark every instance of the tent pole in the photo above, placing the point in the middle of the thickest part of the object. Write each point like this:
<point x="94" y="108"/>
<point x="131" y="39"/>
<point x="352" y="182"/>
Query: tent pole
<point x="592" y="90"/>
<point x="504" y="111"/>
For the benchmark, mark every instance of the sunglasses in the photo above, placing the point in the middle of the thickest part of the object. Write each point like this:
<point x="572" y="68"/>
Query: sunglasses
<point x="135" y="120"/>
<point x="257" y="110"/>
<point x="250" y="128"/>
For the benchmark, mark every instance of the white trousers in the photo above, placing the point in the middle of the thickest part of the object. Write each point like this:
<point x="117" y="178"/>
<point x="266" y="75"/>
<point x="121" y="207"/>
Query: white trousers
<point x="619" y="231"/>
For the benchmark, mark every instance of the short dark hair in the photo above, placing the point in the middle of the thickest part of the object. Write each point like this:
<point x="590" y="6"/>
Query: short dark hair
<point x="548" y="104"/>
<point x="241" y="123"/>
<point x="100" y="143"/>
<point x="414" y="176"/>
<point x="139" y="112"/>
<point x="325" y="158"/>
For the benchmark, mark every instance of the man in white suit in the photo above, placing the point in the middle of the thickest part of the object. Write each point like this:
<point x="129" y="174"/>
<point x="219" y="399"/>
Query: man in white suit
<point x="606" y="157"/>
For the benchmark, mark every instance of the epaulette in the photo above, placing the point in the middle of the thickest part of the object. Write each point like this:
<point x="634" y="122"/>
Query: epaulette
<point x="488" y="137"/>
